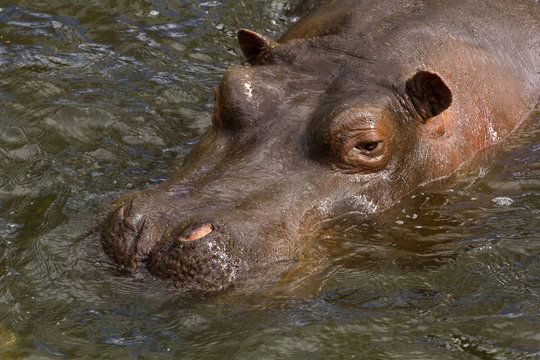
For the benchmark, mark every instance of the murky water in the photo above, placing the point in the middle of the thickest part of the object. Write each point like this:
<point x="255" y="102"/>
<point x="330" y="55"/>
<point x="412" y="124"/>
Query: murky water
<point x="98" y="97"/>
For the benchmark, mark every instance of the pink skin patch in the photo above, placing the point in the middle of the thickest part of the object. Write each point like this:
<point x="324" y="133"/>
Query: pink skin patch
<point x="200" y="232"/>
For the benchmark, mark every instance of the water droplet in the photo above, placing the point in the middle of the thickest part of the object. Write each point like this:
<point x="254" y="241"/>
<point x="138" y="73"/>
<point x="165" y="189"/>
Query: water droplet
<point x="502" y="201"/>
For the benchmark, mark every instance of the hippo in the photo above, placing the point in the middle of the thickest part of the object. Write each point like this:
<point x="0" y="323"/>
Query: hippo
<point x="358" y="104"/>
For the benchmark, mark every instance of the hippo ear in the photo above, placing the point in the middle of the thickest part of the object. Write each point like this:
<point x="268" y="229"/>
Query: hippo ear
<point x="253" y="45"/>
<point x="429" y="94"/>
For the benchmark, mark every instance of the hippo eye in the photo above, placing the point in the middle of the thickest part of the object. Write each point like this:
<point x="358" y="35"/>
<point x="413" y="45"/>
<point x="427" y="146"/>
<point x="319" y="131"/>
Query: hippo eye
<point x="366" y="152"/>
<point x="368" y="147"/>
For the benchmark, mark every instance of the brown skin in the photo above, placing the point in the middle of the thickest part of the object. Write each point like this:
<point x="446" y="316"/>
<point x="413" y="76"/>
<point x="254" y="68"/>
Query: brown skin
<point x="357" y="105"/>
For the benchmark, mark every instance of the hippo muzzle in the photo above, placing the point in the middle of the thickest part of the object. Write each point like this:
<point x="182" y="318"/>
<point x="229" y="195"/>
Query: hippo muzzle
<point x="197" y="254"/>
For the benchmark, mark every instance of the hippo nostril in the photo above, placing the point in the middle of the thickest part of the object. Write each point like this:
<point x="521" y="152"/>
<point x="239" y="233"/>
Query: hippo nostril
<point x="124" y="210"/>
<point x="200" y="232"/>
<point x="129" y="220"/>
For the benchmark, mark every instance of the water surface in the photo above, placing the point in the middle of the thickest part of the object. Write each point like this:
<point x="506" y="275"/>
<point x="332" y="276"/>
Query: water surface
<point x="101" y="97"/>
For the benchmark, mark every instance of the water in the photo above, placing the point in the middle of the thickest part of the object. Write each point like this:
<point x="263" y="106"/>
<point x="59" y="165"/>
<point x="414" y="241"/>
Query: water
<point x="99" y="97"/>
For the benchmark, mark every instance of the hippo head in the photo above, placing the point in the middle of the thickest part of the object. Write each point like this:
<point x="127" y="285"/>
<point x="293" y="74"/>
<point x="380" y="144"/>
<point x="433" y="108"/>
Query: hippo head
<point x="305" y="132"/>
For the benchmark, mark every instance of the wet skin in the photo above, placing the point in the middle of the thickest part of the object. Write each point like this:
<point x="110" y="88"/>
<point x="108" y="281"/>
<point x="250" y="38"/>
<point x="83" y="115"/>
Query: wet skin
<point x="358" y="104"/>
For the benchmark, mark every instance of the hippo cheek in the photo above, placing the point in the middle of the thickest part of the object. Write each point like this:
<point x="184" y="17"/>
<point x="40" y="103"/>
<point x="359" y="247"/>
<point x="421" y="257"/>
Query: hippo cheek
<point x="203" y="260"/>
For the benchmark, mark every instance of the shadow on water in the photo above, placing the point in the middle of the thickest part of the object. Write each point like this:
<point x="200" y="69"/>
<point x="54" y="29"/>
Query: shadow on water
<point x="101" y="97"/>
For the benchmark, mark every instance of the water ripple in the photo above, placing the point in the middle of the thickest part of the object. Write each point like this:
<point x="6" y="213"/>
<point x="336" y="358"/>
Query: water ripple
<point x="100" y="97"/>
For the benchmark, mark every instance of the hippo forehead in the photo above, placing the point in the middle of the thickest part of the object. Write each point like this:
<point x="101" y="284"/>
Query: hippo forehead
<point x="301" y="77"/>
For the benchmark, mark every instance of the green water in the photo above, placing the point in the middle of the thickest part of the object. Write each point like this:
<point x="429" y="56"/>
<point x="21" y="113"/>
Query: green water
<point x="100" y="97"/>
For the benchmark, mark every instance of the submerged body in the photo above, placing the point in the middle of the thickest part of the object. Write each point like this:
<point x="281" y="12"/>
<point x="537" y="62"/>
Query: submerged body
<point x="358" y="104"/>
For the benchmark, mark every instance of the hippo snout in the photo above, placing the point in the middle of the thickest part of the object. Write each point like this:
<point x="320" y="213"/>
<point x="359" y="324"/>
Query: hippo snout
<point x="197" y="254"/>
